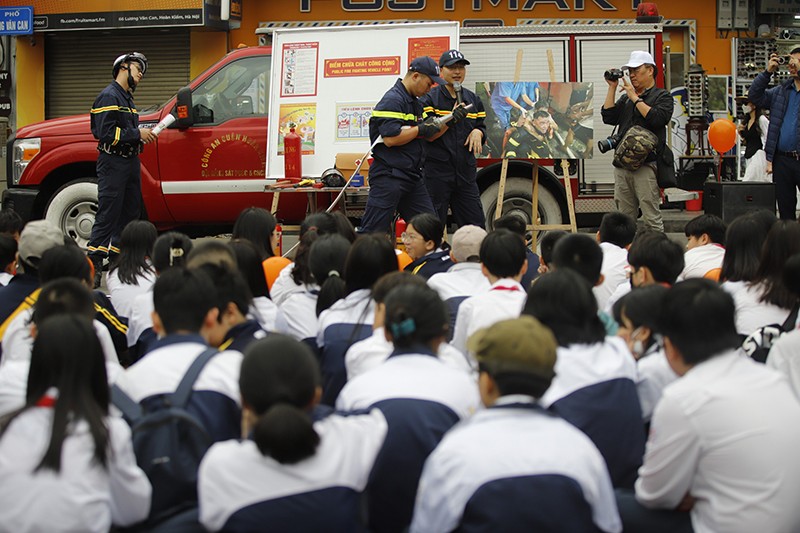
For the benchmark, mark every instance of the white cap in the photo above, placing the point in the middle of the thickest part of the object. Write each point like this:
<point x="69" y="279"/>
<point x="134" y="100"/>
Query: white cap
<point x="639" y="58"/>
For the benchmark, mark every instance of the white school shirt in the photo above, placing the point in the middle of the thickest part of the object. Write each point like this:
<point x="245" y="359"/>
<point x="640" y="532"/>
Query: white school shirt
<point x="5" y="277"/>
<point x="653" y="374"/>
<point x="123" y="294"/>
<point x="299" y="310"/>
<point x="284" y="285"/>
<point x="784" y="356"/>
<point x="504" y="300"/>
<point x="84" y="496"/>
<point x="241" y="489"/>
<point x="141" y="318"/>
<point x="752" y="314"/>
<point x="700" y="260"/>
<point x="266" y="313"/>
<point x="614" y="269"/>
<point x="461" y="280"/>
<point x="375" y="350"/>
<point x="494" y="449"/>
<point x="622" y="290"/>
<point x="725" y="433"/>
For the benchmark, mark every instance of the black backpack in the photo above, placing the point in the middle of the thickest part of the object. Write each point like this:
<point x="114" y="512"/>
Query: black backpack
<point x="169" y="442"/>
<point x="758" y="344"/>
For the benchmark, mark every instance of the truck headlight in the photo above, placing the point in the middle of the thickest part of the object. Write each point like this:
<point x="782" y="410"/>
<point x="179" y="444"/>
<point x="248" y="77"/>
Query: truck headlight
<point x="23" y="152"/>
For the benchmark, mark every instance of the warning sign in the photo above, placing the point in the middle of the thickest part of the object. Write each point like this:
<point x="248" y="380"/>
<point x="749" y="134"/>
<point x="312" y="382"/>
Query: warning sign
<point x="362" y="66"/>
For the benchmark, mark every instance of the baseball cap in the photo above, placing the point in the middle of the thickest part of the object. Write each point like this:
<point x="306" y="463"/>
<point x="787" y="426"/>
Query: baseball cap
<point x="426" y="65"/>
<point x="36" y="238"/>
<point x="467" y="242"/>
<point x="451" y="57"/>
<point x="639" y="58"/>
<point x="519" y="345"/>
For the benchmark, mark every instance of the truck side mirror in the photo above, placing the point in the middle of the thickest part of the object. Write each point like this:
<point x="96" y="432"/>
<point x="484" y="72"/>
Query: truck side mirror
<point x="183" y="108"/>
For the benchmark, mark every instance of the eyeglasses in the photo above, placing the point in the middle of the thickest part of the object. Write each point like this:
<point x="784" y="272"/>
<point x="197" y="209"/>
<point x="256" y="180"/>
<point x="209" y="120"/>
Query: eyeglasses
<point x="406" y="237"/>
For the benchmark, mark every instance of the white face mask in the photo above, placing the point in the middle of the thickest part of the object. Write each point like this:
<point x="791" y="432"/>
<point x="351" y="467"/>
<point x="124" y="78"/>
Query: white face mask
<point x="636" y="345"/>
<point x="746" y="109"/>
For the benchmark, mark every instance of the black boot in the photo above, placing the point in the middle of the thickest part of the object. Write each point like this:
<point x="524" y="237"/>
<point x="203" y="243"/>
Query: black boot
<point x="97" y="261"/>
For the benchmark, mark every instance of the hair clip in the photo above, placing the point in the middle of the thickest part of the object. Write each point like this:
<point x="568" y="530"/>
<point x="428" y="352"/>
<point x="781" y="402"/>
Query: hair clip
<point x="404" y="328"/>
<point x="334" y="273"/>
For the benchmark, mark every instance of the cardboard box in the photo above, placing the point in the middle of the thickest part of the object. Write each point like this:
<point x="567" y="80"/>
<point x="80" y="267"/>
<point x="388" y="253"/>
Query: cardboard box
<point x="346" y="163"/>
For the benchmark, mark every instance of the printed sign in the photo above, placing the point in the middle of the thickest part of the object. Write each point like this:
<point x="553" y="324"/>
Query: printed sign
<point x="362" y="66"/>
<point x="352" y="122"/>
<point x="16" y="20"/>
<point x="304" y="117"/>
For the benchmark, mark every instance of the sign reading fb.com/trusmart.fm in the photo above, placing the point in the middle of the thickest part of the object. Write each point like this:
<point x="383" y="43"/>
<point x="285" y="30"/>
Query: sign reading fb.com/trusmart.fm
<point x="16" y="20"/>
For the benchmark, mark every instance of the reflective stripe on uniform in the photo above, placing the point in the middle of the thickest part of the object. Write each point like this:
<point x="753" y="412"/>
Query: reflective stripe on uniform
<point x="393" y="114"/>
<point x="108" y="108"/>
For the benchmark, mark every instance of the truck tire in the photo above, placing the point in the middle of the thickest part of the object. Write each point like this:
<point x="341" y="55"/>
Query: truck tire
<point x="73" y="208"/>
<point x="517" y="201"/>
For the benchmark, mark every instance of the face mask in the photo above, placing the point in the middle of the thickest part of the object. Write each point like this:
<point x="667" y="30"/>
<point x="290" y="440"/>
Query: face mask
<point x="637" y="345"/>
<point x="746" y="109"/>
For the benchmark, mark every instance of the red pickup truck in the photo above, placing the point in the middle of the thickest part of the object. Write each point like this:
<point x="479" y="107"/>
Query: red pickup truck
<point x="198" y="176"/>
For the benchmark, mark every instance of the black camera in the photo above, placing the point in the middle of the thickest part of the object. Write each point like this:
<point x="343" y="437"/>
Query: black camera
<point x="608" y="143"/>
<point x="613" y="74"/>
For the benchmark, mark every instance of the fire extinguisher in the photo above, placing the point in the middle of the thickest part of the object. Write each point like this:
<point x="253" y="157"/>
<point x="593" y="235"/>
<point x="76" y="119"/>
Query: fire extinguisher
<point x="278" y="241"/>
<point x="399" y="229"/>
<point x="292" y="155"/>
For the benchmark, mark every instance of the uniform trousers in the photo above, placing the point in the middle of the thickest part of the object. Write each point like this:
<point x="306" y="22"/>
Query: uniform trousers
<point x="119" y="201"/>
<point x="388" y="194"/>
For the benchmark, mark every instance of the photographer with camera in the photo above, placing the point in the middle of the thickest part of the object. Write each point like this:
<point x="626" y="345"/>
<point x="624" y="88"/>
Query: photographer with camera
<point x="783" y="139"/>
<point x="650" y="108"/>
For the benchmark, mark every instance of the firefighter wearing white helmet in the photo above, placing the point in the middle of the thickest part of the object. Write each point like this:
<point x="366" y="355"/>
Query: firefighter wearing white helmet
<point x="115" y="125"/>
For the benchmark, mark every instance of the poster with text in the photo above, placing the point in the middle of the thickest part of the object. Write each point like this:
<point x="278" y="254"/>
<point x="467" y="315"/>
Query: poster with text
<point x="299" y="69"/>
<point x="304" y="117"/>
<point x="538" y="120"/>
<point x="352" y="122"/>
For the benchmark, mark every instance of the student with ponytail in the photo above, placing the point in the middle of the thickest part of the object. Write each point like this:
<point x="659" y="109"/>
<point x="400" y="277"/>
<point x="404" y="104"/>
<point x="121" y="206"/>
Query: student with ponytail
<point x="420" y="396"/>
<point x="292" y="473"/>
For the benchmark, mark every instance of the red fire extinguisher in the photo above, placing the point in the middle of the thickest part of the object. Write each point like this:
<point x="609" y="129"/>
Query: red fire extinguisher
<point x="292" y="155"/>
<point x="400" y="228"/>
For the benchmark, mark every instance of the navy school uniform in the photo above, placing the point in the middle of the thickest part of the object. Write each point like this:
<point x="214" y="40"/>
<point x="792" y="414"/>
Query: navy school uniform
<point x="241" y="335"/>
<point x="215" y="399"/>
<point x="396" y="175"/>
<point x="430" y="264"/>
<point x="515" y="468"/>
<point x="460" y="282"/>
<point x="242" y="490"/>
<point x="346" y="322"/>
<point x="595" y="390"/>
<point x="421" y="398"/>
<point x="450" y="167"/>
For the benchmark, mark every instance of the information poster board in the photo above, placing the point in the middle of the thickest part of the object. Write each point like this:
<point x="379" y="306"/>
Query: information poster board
<point x="555" y="120"/>
<point x="327" y="80"/>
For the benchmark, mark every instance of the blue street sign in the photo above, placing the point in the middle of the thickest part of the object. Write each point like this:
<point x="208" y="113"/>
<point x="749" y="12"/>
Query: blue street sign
<point x="16" y="20"/>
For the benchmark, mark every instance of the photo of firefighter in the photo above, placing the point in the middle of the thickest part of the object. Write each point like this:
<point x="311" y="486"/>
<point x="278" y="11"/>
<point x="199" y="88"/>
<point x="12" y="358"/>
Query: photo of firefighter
<point x="538" y="120"/>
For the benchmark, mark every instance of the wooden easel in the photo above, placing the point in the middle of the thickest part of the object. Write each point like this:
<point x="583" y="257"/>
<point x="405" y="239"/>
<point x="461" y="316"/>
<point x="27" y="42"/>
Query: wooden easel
<point x="535" y="227"/>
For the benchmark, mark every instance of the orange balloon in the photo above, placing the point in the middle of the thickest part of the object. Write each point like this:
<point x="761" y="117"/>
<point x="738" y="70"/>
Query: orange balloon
<point x="272" y="267"/>
<point x="722" y="135"/>
<point x="403" y="259"/>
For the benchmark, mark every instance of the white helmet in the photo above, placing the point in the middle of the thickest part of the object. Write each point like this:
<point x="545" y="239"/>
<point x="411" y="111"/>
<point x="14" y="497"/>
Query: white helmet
<point x="127" y="58"/>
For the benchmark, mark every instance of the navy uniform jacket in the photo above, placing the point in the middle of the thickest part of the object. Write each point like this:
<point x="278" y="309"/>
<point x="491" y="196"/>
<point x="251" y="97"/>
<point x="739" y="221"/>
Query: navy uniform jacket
<point x="430" y="264"/>
<point x="396" y="109"/>
<point x="114" y="119"/>
<point x="522" y="143"/>
<point x="449" y="150"/>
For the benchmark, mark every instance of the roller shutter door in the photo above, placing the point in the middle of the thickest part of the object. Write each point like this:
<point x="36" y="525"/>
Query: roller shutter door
<point x="78" y="66"/>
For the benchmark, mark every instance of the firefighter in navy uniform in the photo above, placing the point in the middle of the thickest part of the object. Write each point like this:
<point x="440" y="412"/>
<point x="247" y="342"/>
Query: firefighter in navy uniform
<point x="115" y="124"/>
<point x="450" y="166"/>
<point x="531" y="138"/>
<point x="396" y="176"/>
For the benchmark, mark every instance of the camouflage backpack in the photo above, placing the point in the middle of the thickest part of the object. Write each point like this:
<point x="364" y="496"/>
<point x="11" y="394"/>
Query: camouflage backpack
<point x="633" y="149"/>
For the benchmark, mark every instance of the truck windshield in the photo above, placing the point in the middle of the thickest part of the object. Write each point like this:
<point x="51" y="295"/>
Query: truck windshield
<point x="239" y="89"/>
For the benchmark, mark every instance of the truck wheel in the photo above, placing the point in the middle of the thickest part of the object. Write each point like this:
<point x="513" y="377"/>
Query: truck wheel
<point x="73" y="208"/>
<point x="517" y="201"/>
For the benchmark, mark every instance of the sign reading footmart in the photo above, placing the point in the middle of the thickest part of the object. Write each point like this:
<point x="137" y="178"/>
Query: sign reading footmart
<point x="60" y="15"/>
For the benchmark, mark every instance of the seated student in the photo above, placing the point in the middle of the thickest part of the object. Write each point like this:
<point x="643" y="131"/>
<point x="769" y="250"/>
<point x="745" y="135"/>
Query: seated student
<point x="66" y="464"/>
<point x="595" y="384"/>
<point x="637" y="315"/>
<point x="131" y="273"/>
<point x="705" y="249"/>
<point x="744" y="238"/>
<point x="36" y="238"/>
<point x="8" y="259"/>
<point x="11" y="223"/>
<point x="61" y="296"/>
<point x="349" y="320"/>
<point x="292" y="472"/>
<point x="582" y="254"/>
<point x="423" y="241"/>
<point x="615" y="237"/>
<point x="548" y="243"/>
<point x="503" y="262"/>
<point x="232" y="330"/>
<point x="183" y="317"/>
<point x="326" y="259"/>
<point x="783" y="355"/>
<point x="653" y="258"/>
<point x="720" y="445"/>
<point x="525" y="455"/>
<point x="420" y="396"/>
<point x="465" y="278"/>
<point x="262" y="309"/>
<point x="374" y="350"/>
<point x="68" y="262"/>
<point x="170" y="250"/>
<point x="517" y="225"/>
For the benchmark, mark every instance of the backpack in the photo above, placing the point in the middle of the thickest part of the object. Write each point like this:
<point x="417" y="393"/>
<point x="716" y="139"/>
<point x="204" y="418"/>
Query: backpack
<point x="634" y="147"/>
<point x="169" y="442"/>
<point x="758" y="344"/>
